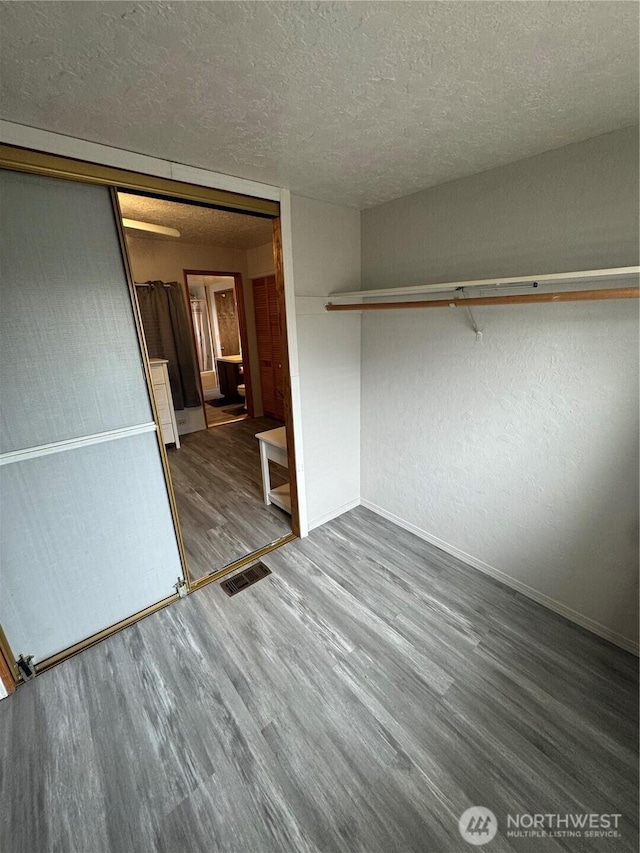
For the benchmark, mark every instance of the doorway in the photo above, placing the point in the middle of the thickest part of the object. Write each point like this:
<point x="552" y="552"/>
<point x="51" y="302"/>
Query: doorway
<point x="221" y="339"/>
<point x="227" y="454"/>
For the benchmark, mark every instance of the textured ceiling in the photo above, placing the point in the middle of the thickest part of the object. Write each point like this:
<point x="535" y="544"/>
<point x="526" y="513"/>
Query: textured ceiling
<point x="201" y="225"/>
<point x="351" y="102"/>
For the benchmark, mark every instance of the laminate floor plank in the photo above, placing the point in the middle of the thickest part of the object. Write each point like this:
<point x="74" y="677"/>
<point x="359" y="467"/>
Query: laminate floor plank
<point x="465" y="600"/>
<point x="217" y="482"/>
<point x="362" y="627"/>
<point x="356" y="700"/>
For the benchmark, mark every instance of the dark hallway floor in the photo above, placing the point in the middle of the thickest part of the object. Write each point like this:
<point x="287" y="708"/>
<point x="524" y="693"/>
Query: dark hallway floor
<point x="218" y="488"/>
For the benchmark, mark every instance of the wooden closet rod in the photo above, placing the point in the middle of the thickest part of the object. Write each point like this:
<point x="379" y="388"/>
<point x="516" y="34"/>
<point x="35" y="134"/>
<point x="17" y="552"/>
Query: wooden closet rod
<point x="564" y="296"/>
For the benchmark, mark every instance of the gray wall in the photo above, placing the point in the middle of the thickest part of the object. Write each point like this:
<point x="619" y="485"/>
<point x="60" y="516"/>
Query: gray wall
<point x="568" y="209"/>
<point x="520" y="453"/>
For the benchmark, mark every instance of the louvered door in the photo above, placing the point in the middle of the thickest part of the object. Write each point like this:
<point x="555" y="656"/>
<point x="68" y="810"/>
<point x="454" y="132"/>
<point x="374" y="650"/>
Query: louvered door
<point x="265" y="351"/>
<point x="276" y="348"/>
<point x="265" y="305"/>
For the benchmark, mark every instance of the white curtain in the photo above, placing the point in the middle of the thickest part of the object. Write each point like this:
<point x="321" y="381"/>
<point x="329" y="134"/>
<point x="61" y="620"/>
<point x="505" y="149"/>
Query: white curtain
<point x="198" y="327"/>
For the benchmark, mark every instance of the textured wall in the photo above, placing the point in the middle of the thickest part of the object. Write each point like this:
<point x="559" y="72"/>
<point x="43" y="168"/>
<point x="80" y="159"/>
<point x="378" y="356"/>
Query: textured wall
<point x="326" y="257"/>
<point x="572" y="208"/>
<point x="167" y="259"/>
<point x="520" y="451"/>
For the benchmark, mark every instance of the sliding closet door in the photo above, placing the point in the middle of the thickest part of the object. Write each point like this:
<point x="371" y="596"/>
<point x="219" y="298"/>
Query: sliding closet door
<point x="87" y="532"/>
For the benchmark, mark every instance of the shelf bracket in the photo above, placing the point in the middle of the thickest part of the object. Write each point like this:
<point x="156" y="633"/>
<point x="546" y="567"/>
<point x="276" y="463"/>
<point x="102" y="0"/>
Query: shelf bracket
<point x="475" y="326"/>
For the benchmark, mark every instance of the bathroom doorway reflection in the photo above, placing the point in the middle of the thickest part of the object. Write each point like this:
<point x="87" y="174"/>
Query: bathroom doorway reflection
<point x="216" y="303"/>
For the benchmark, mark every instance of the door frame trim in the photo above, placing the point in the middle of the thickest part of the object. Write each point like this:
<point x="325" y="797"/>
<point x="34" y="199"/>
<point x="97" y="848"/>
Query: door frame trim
<point x="278" y="256"/>
<point x="9" y="673"/>
<point x="69" y="652"/>
<point x="194" y="344"/>
<point x="244" y="561"/>
<point x="56" y="166"/>
<point x="37" y="139"/>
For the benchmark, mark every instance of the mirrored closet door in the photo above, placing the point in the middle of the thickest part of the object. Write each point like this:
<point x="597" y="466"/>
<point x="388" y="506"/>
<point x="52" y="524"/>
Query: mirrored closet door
<point x="115" y="489"/>
<point x="87" y="531"/>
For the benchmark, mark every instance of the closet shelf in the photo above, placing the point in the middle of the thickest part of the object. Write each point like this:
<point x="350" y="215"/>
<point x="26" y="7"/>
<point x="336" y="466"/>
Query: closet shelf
<point x="281" y="497"/>
<point x="579" y="277"/>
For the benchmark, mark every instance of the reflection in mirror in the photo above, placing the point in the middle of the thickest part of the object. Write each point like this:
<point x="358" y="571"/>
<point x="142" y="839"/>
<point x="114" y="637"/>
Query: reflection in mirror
<point x="212" y="325"/>
<point x="216" y="330"/>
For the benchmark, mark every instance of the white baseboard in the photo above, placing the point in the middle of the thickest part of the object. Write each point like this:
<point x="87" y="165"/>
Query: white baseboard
<point x="318" y="522"/>
<point x="539" y="597"/>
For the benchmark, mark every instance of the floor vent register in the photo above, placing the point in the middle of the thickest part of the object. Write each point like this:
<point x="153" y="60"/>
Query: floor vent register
<point x="246" y="578"/>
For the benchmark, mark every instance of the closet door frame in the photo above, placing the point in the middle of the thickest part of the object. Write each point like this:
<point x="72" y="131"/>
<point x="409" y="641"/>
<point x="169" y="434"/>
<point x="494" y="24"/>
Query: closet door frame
<point x="39" y="163"/>
<point x="9" y="673"/>
<point x="278" y="257"/>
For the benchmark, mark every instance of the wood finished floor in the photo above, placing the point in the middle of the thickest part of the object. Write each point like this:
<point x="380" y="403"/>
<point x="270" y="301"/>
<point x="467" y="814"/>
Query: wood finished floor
<point x="217" y="415"/>
<point x="357" y="699"/>
<point x="218" y="487"/>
